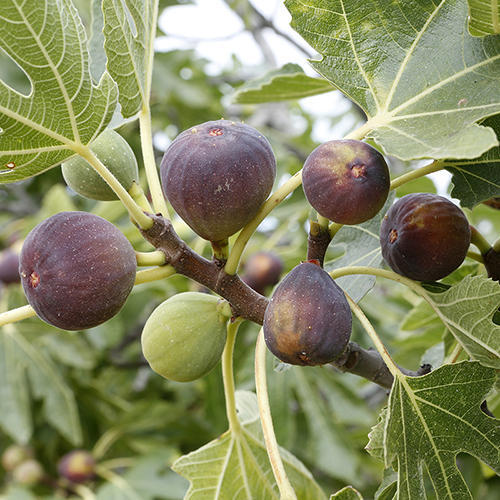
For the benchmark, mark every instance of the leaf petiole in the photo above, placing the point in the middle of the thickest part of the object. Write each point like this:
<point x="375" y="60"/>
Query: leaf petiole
<point x="17" y="314"/>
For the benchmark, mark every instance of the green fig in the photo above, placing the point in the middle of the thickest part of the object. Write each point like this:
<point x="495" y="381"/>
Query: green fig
<point x="113" y="150"/>
<point x="184" y="337"/>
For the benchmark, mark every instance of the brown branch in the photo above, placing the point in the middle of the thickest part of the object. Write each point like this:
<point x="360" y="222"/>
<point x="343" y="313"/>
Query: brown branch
<point x="249" y="304"/>
<point x="317" y="242"/>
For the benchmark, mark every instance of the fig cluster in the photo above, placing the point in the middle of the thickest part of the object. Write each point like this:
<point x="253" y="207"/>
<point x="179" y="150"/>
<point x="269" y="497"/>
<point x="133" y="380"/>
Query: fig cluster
<point x="346" y="181"/>
<point x="308" y="320"/>
<point x="424" y="236"/>
<point x="184" y="337"/>
<point x="216" y="175"/>
<point x="18" y="461"/>
<point x="77" y="270"/>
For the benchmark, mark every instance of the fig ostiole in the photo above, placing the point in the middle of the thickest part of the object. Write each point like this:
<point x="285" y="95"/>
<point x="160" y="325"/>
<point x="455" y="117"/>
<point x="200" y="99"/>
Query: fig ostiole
<point x="116" y="155"/>
<point x="216" y="175"/>
<point x="308" y="320"/>
<point x="185" y="335"/>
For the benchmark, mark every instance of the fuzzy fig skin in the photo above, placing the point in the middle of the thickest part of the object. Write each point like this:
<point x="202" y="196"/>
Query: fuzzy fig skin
<point x="77" y="466"/>
<point x="346" y="181"/>
<point x="9" y="267"/>
<point x="262" y="269"/>
<point x="216" y="175"/>
<point x="308" y="320"/>
<point x="77" y="270"/>
<point x="492" y="263"/>
<point x="424" y="237"/>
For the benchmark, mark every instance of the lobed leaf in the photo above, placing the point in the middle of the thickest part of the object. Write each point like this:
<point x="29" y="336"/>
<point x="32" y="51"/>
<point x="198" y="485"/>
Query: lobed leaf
<point x="64" y="109"/>
<point x="484" y="17"/>
<point x="421" y="78"/>
<point x="288" y="82"/>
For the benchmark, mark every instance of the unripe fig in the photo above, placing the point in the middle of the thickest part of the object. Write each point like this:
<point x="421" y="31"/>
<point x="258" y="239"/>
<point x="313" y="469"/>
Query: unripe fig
<point x="308" y="320"/>
<point x="77" y="270"/>
<point x="424" y="236"/>
<point x="115" y="153"/>
<point x="77" y="466"/>
<point x="184" y="337"/>
<point x="15" y="455"/>
<point x="9" y="267"/>
<point x="216" y="175"/>
<point x="262" y="269"/>
<point x="346" y="181"/>
<point x="28" y="472"/>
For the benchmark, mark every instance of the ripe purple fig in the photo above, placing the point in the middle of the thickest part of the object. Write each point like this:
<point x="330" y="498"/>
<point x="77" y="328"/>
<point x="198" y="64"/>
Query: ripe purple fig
<point x="308" y="320"/>
<point x="424" y="237"/>
<point x="77" y="466"/>
<point x="77" y="270"/>
<point x="492" y="263"/>
<point x="9" y="267"/>
<point x="346" y="181"/>
<point x="216" y="175"/>
<point x="262" y="269"/>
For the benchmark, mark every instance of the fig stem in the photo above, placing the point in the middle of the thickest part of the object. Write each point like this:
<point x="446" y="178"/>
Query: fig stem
<point x="85" y="492"/>
<point x="317" y="241"/>
<point x="220" y="250"/>
<point x="477" y="239"/>
<point x="496" y="245"/>
<point x="454" y="355"/>
<point x="284" y="486"/>
<point x="155" y="274"/>
<point x="360" y="132"/>
<point x="415" y="174"/>
<point x="139" y="197"/>
<point x="272" y="202"/>
<point x="17" y="314"/>
<point x="475" y="256"/>
<point x="155" y="258"/>
<point x="135" y="211"/>
<point x="228" y="376"/>
<point x="150" y="167"/>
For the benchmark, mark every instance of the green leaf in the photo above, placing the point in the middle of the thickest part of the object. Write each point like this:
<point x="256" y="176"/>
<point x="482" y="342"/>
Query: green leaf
<point x="479" y="179"/>
<point x="236" y="465"/>
<point x="422" y="80"/>
<point x="467" y="310"/>
<point x="129" y="31"/>
<point x="288" y="82"/>
<point x="65" y="109"/>
<point x="430" y="420"/>
<point x="361" y="244"/>
<point x="484" y="17"/>
<point x="347" y="493"/>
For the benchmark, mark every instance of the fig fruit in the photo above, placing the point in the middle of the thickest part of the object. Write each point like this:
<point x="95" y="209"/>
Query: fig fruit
<point x="424" y="237"/>
<point x="184" y="337"/>
<point x="28" y="472"/>
<point x="216" y="175"/>
<point x="262" y="269"/>
<point x="77" y="466"/>
<point x="15" y="455"/>
<point x="308" y="320"/>
<point x="113" y="150"/>
<point x="346" y="181"/>
<point x="77" y="270"/>
<point x="492" y="263"/>
<point x="9" y="267"/>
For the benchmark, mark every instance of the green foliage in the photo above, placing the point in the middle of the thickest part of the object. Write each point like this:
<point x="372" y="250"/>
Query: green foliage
<point x="484" y="17"/>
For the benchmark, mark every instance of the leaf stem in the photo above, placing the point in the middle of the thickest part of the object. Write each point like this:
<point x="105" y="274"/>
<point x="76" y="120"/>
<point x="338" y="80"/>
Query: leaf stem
<point x="475" y="256"/>
<point x="136" y="212"/>
<point x="284" y="486"/>
<point x="228" y="376"/>
<point x="477" y="239"/>
<point x="17" y="314"/>
<point x="360" y="132"/>
<point x="159" y="204"/>
<point x="272" y="202"/>
<point x="155" y="274"/>
<point x="155" y="258"/>
<point x="415" y="174"/>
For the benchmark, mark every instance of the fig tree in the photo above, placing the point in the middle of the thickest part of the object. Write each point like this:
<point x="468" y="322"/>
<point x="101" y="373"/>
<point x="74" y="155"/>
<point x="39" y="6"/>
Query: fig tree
<point x="308" y="320"/>
<point x="115" y="153"/>
<point x="184" y="337"/>
<point x="216" y="175"/>
<point x="77" y="270"/>
<point x="424" y="236"/>
<point x="346" y="181"/>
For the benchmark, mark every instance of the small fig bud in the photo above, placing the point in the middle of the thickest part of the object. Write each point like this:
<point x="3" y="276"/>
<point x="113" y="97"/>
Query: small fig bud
<point x="308" y="320"/>
<point x="15" y="455"/>
<point x="424" y="236"/>
<point x="217" y="175"/>
<point x="346" y="181"/>
<point x="262" y="269"/>
<point x="9" y="267"/>
<point x="28" y="472"/>
<point x="77" y="466"/>
<point x="184" y="337"/>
